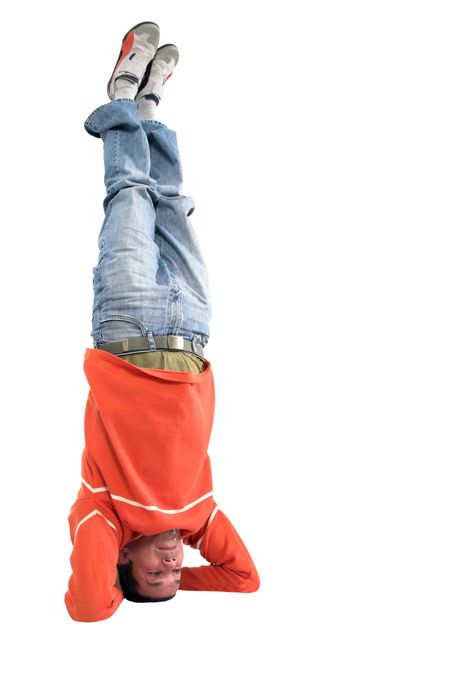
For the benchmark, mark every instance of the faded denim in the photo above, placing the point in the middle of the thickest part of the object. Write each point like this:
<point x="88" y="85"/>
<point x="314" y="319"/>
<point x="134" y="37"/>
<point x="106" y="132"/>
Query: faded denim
<point x="150" y="278"/>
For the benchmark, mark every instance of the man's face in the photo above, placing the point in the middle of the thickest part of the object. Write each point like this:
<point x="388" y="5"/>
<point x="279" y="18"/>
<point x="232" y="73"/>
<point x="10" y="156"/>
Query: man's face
<point x="156" y="563"/>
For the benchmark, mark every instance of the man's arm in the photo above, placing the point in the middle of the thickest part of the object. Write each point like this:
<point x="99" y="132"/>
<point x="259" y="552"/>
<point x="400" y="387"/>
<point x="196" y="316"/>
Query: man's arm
<point x="231" y="567"/>
<point x="93" y="594"/>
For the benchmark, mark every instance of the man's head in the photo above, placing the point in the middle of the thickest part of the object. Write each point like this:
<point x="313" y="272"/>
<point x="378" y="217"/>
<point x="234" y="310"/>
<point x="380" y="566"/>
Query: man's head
<point x="149" y="568"/>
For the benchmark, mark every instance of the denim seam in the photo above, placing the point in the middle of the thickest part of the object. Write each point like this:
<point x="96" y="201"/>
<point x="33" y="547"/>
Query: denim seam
<point x="157" y="122"/>
<point x="107" y="226"/>
<point x="116" y="149"/>
<point x="114" y="316"/>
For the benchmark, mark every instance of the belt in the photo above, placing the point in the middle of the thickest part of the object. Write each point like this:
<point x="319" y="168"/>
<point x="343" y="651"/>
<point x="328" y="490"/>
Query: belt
<point x="138" y="345"/>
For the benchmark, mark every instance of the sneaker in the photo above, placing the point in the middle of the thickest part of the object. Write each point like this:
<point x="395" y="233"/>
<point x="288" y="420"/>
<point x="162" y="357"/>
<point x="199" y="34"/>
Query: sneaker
<point x="157" y="73"/>
<point x="138" y="49"/>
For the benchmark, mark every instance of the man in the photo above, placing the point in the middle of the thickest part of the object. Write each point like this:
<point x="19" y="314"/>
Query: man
<point x="146" y="486"/>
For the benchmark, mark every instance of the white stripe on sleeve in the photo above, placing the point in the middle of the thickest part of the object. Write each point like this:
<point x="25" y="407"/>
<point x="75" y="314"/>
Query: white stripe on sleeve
<point x="96" y="512"/>
<point x="208" y="524"/>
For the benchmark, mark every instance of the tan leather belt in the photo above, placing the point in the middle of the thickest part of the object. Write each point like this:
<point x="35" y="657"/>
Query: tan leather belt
<point x="137" y="345"/>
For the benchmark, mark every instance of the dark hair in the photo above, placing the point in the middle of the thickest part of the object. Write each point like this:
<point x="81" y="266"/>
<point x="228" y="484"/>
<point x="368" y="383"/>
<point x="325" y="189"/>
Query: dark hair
<point x="129" y="585"/>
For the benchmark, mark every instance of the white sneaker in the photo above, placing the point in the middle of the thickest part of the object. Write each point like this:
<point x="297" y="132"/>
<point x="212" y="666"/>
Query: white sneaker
<point x="157" y="73"/>
<point x="139" y="46"/>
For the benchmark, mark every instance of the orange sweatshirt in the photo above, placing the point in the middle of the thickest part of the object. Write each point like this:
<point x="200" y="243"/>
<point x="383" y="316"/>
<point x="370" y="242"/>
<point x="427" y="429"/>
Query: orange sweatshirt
<point x="145" y="469"/>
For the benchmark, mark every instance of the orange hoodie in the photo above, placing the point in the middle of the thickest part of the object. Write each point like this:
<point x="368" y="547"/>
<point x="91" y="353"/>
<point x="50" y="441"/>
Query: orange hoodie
<point x="145" y="469"/>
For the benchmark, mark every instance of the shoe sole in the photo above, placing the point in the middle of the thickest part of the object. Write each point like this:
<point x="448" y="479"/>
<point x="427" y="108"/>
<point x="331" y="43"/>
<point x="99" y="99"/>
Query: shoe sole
<point x="149" y="67"/>
<point x="127" y="45"/>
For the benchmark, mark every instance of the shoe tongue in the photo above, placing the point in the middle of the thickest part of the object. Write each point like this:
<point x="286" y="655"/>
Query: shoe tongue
<point x="162" y="67"/>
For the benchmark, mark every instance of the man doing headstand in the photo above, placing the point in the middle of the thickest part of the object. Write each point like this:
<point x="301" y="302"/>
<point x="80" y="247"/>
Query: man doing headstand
<point x="146" y="485"/>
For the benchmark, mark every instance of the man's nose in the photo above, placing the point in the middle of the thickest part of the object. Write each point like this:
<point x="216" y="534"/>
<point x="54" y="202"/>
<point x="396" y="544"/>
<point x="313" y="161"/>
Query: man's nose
<point x="169" y="561"/>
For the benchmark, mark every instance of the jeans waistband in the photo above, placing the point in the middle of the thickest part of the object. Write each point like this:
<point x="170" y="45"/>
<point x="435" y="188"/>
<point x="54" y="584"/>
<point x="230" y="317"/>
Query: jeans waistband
<point x="137" y="345"/>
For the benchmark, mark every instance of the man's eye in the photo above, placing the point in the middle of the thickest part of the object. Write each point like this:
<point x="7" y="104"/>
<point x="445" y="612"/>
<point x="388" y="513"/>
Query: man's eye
<point x="177" y="570"/>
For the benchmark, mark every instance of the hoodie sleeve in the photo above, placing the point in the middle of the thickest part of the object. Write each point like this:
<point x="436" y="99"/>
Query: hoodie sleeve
<point x="231" y="567"/>
<point x="95" y="534"/>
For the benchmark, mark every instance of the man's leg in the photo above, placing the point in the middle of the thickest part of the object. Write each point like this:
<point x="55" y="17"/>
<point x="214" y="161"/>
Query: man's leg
<point x="131" y="283"/>
<point x="190" y="302"/>
<point x="175" y="235"/>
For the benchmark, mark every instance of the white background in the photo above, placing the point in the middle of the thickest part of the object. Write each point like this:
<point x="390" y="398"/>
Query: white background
<point x="315" y="143"/>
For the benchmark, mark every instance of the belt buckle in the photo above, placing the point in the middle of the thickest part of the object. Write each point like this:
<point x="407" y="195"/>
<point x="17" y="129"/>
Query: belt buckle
<point x="175" y="341"/>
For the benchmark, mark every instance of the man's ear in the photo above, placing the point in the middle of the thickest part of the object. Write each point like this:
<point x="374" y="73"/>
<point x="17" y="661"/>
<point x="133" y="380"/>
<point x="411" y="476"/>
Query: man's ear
<point x="123" y="555"/>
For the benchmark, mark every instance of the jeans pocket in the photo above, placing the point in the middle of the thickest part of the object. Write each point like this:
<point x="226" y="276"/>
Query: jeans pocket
<point x="115" y="327"/>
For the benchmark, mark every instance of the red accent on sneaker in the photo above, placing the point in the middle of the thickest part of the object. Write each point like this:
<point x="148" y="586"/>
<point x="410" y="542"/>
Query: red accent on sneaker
<point x="127" y="46"/>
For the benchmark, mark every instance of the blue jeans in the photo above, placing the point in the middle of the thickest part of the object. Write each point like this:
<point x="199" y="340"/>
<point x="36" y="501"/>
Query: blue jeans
<point x="151" y="278"/>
